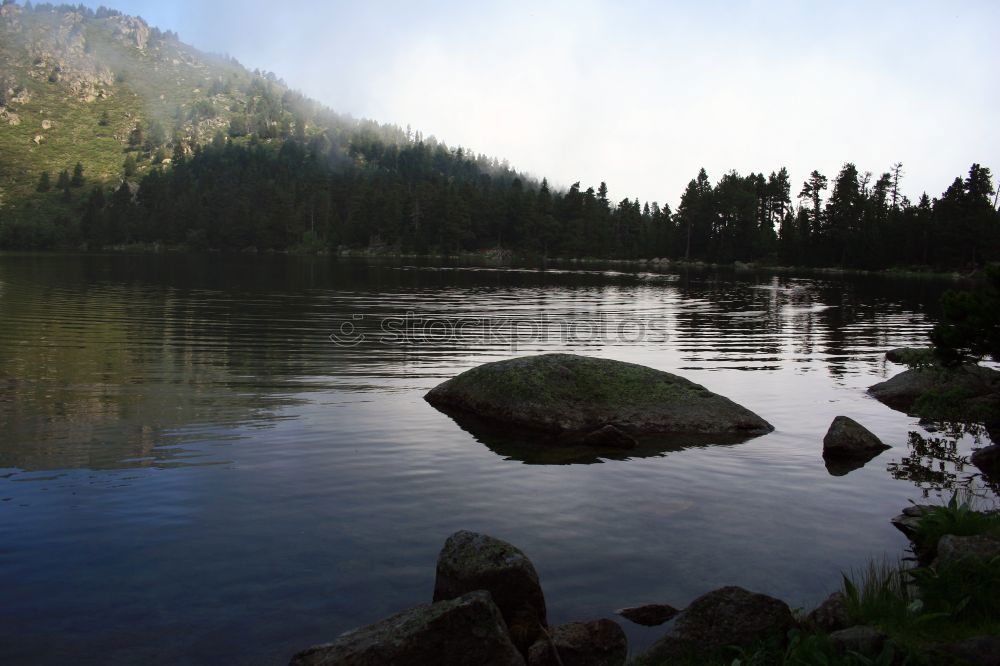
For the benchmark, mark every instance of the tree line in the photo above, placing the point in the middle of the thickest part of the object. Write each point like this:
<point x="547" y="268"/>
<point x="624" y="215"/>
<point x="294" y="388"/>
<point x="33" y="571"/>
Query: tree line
<point x="414" y="195"/>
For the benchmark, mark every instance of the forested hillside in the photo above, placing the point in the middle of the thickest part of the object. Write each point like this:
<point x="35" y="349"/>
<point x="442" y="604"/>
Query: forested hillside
<point x="117" y="134"/>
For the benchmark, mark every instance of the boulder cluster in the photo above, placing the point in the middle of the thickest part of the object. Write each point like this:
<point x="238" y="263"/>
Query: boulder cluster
<point x="488" y="609"/>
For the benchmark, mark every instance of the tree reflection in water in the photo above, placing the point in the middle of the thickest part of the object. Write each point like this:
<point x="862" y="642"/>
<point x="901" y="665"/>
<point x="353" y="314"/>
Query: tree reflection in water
<point x="936" y="462"/>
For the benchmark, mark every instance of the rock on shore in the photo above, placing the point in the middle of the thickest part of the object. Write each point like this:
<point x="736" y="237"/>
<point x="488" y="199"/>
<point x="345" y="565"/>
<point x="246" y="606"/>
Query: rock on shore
<point x="722" y="618"/>
<point x="470" y="561"/>
<point x="575" y="398"/>
<point x="968" y="389"/>
<point x="466" y="630"/>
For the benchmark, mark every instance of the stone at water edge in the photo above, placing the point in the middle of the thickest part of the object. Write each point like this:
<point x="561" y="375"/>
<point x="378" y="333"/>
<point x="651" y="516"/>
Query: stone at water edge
<point x="907" y="521"/>
<point x="952" y="548"/>
<point x="722" y="618"/>
<point x="650" y="615"/>
<point x="866" y="641"/>
<point x="565" y="395"/>
<point x="594" y="643"/>
<point x="907" y="354"/>
<point x="470" y="561"/>
<point x="457" y="632"/>
<point x="987" y="458"/>
<point x="831" y="615"/>
<point x="978" y="386"/>
<point x="979" y="651"/>
<point x="847" y="438"/>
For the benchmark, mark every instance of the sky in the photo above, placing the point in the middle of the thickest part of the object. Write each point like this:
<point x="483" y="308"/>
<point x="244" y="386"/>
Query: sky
<point x="641" y="94"/>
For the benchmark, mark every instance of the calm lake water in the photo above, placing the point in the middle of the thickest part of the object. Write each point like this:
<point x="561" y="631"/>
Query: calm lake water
<point x="192" y="470"/>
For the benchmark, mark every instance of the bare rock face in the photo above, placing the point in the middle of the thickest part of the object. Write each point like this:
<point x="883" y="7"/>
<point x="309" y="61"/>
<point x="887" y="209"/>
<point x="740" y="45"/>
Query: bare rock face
<point x="728" y="616"/>
<point x="595" y="643"/>
<point x="131" y="31"/>
<point x="457" y="632"/>
<point x="570" y="396"/>
<point x="847" y="438"/>
<point x="471" y="561"/>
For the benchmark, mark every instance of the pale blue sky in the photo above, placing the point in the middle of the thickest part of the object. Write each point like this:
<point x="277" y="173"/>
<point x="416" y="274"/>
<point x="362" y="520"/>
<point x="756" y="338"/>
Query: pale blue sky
<point x="641" y="94"/>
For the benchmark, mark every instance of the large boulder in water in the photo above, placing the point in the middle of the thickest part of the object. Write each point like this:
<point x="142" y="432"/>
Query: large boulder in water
<point x="966" y="392"/>
<point x="846" y="438"/>
<point x="571" y="397"/>
<point x="720" y="619"/>
<point x="470" y="561"/>
<point x="466" y="630"/>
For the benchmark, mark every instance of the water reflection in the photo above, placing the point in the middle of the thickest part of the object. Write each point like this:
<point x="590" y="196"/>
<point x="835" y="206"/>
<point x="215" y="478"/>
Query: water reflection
<point x="532" y="448"/>
<point x="194" y="472"/>
<point x="937" y="462"/>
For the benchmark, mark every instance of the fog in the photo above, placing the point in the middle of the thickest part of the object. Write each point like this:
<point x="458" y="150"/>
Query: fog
<point x="641" y="95"/>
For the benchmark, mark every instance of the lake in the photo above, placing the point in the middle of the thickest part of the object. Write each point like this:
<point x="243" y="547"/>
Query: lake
<point x="229" y="458"/>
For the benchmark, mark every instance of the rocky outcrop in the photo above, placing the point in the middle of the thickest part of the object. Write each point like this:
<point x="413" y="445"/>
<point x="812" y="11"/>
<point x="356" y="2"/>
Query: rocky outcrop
<point x="726" y="617"/>
<point x="650" y="615"/>
<point x="864" y="640"/>
<point x="573" y="397"/>
<point x="831" y="615"/>
<point x="595" y="643"/>
<point x="846" y="438"/>
<point x="130" y="31"/>
<point x="471" y="561"/>
<point x="457" y="632"/>
<point x="968" y="389"/>
<point x="907" y="521"/>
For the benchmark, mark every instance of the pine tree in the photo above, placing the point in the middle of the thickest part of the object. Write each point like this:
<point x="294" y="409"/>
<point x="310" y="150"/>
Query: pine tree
<point x="78" y="180"/>
<point x="105" y="120"/>
<point x="44" y="182"/>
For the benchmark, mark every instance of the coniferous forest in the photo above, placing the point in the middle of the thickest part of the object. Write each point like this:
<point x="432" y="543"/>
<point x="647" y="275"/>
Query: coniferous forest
<point x="417" y="197"/>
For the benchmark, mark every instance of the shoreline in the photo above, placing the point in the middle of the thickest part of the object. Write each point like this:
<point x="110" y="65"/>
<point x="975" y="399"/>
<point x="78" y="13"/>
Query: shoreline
<point x="507" y="259"/>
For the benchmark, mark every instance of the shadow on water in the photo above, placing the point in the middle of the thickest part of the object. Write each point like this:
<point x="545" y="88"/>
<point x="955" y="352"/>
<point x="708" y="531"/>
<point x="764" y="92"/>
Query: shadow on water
<point x="534" y="448"/>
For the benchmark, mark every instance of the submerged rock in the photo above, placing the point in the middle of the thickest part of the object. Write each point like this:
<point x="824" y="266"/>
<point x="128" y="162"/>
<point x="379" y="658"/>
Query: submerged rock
<point x="722" y="618"/>
<point x="847" y="438"/>
<point x="466" y="630"/>
<point x="595" y="643"/>
<point x="963" y="392"/>
<point x="471" y="561"/>
<point x="574" y="398"/>
<point x="649" y="615"/>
